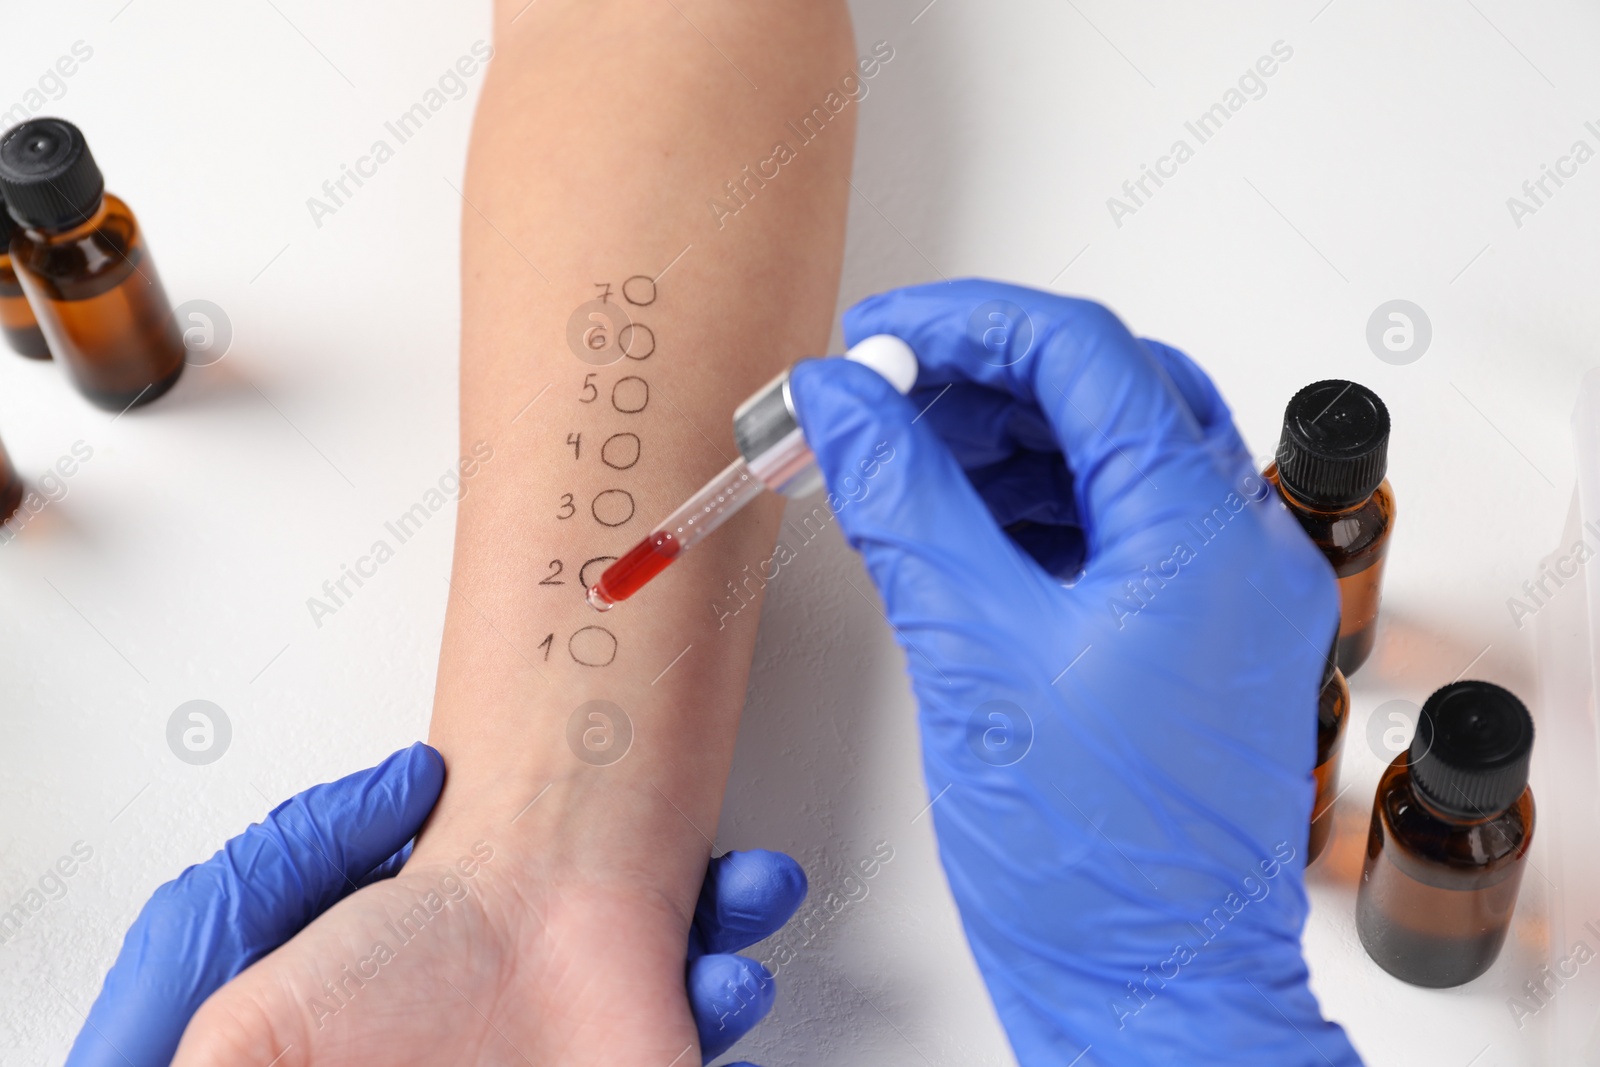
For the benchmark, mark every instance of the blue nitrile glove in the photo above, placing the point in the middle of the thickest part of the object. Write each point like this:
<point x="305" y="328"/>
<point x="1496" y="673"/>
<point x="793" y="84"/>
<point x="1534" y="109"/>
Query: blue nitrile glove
<point x="218" y="917"/>
<point x="746" y="897"/>
<point x="1120" y="767"/>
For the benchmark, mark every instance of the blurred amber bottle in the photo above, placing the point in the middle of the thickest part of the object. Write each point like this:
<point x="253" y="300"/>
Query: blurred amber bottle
<point x="1333" y="713"/>
<point x="1452" y="823"/>
<point x="16" y="317"/>
<point x="82" y="261"/>
<point x="1330" y="469"/>
<point x="10" y="486"/>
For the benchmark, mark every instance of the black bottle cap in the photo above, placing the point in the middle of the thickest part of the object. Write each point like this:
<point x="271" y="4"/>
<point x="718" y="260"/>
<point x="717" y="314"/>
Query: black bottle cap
<point x="1335" y="446"/>
<point x="48" y="176"/>
<point x="1470" y="754"/>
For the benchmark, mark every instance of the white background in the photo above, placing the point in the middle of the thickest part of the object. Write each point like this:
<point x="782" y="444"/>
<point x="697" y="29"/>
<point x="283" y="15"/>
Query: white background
<point x="1377" y="166"/>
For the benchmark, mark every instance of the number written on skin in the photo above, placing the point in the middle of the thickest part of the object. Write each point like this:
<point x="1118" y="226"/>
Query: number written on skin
<point x="596" y="646"/>
<point x="590" y="646"/>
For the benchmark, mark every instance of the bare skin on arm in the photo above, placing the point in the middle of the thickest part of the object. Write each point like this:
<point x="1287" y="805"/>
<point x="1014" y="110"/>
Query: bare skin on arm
<point x="543" y="917"/>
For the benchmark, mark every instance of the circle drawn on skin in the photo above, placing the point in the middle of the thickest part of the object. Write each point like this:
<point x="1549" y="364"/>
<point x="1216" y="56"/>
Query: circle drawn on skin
<point x="599" y="733"/>
<point x="592" y="646"/>
<point x="613" y="457"/>
<point x="1399" y="332"/>
<point x="583" y="572"/>
<point x="594" y="332"/>
<point x="612" y="507"/>
<point x="644" y="286"/>
<point x="1390" y="728"/>
<point x="637" y="390"/>
<point x="1003" y="330"/>
<point x="199" y="732"/>
<point x="633" y="345"/>
<point x="999" y="733"/>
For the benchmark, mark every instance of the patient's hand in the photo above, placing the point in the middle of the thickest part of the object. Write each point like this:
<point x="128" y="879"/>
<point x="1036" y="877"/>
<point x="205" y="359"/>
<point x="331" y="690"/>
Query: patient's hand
<point x="403" y="967"/>
<point x="472" y="955"/>
<point x="516" y="963"/>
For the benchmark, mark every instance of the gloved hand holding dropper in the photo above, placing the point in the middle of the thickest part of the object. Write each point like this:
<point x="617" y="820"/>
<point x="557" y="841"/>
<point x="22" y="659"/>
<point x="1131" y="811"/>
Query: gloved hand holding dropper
<point x="1121" y="766"/>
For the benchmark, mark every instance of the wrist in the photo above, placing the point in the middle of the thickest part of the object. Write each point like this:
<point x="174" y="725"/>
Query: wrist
<point x="555" y="821"/>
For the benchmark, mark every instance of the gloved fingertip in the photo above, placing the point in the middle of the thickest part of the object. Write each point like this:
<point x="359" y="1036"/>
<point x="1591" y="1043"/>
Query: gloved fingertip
<point x="425" y="769"/>
<point x="411" y="778"/>
<point x="845" y="375"/>
<point x="348" y="828"/>
<point x="784" y="880"/>
<point x="833" y="397"/>
<point x="728" y="996"/>
<point x="911" y="522"/>
<point x="754" y="894"/>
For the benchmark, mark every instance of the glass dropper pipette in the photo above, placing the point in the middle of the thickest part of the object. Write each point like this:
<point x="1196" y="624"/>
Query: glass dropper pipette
<point x="773" y="454"/>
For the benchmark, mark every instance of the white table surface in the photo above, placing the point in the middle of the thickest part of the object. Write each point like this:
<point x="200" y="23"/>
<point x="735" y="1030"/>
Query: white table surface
<point x="1376" y="166"/>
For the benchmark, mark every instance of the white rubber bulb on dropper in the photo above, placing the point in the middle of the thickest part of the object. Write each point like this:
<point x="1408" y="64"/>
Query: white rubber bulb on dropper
<point x="890" y="357"/>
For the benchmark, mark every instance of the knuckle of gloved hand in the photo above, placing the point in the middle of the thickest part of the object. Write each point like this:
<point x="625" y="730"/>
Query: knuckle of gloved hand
<point x="1091" y="320"/>
<point x="289" y="844"/>
<point x="298" y="830"/>
<point x="201" y="882"/>
<point x="854" y="445"/>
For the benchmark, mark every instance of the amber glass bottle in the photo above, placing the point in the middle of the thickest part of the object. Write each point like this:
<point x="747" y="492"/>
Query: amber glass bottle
<point x="1451" y="828"/>
<point x="1330" y="469"/>
<point x="10" y="487"/>
<point x="16" y="317"/>
<point x="1333" y="712"/>
<point x="83" y="263"/>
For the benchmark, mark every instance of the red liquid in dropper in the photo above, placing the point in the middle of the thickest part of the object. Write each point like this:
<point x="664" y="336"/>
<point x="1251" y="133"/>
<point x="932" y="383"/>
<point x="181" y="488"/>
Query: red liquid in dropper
<point x="643" y="562"/>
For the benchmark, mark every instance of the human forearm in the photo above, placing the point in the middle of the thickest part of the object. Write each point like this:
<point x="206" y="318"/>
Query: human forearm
<point x="603" y="132"/>
<point x="544" y="915"/>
